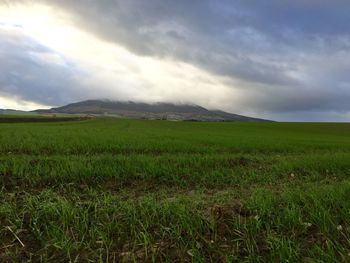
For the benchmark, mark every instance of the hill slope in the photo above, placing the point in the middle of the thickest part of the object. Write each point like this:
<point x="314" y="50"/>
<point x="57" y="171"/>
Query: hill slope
<point x="14" y="112"/>
<point x="148" y="111"/>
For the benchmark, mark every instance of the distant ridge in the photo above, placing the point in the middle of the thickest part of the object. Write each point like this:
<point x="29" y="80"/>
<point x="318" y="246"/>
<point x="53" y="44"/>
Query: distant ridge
<point x="13" y="112"/>
<point x="166" y="111"/>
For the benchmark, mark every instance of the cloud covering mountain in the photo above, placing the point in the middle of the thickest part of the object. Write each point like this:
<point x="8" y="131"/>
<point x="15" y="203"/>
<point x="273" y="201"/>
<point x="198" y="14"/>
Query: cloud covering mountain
<point x="286" y="61"/>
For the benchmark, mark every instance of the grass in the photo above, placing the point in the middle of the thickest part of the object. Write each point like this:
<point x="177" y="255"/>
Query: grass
<point x="32" y="117"/>
<point x="105" y="190"/>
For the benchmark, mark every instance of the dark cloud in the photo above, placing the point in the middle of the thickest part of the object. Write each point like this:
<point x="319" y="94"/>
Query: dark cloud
<point x="256" y="41"/>
<point x="219" y="38"/>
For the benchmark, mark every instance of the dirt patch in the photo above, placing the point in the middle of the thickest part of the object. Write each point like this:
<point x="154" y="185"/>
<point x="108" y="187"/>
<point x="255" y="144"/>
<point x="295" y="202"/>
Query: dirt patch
<point x="244" y="162"/>
<point x="228" y="212"/>
<point x="21" y="242"/>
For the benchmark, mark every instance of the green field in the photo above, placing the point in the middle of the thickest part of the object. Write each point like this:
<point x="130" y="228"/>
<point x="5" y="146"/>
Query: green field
<point x="107" y="190"/>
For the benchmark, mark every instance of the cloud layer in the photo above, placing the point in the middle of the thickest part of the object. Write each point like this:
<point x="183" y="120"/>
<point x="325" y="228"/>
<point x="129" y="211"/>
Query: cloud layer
<point x="31" y="71"/>
<point x="268" y="58"/>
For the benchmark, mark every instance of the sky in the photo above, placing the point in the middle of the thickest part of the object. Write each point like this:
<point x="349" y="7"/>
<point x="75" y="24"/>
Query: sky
<point x="282" y="60"/>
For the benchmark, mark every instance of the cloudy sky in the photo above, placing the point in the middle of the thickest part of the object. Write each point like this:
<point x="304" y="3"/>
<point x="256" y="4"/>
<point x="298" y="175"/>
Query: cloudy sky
<point x="285" y="60"/>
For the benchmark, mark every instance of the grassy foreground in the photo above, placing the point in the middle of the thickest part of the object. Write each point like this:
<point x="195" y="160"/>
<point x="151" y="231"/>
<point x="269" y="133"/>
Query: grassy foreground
<point x="157" y="191"/>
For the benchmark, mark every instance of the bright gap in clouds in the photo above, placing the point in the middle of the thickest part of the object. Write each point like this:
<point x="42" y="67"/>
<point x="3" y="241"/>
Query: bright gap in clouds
<point x="107" y="70"/>
<point x="19" y="104"/>
<point x="41" y="22"/>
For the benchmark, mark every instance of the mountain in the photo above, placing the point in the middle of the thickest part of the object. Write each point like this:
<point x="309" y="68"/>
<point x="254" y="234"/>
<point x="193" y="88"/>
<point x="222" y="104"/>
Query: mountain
<point x="168" y="111"/>
<point x="14" y="112"/>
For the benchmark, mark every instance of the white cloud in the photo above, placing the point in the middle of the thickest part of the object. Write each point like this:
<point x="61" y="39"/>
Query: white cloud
<point x="19" y="104"/>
